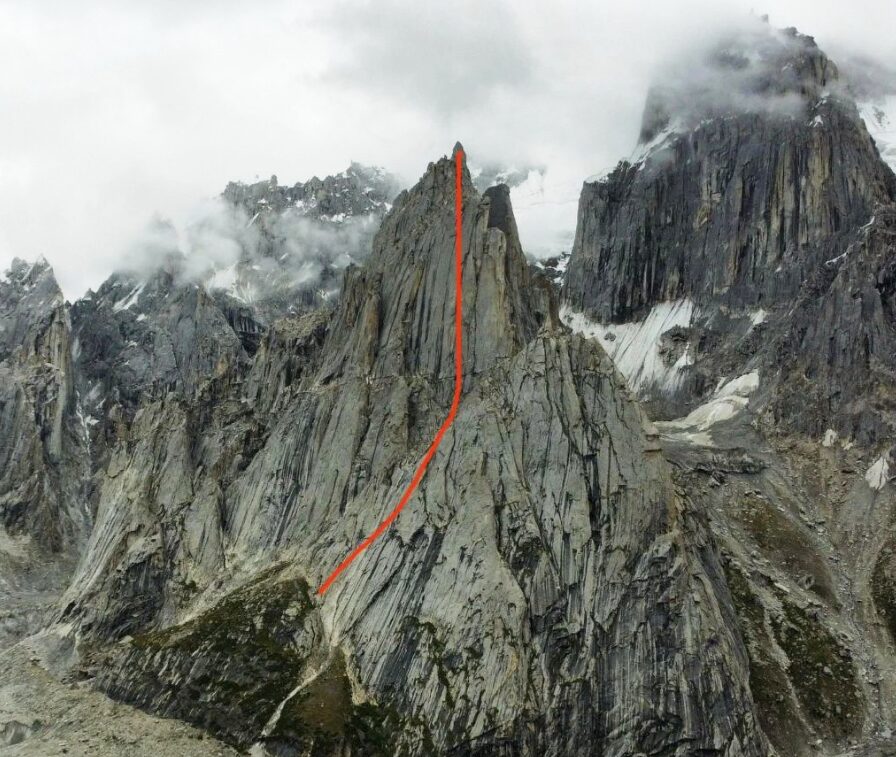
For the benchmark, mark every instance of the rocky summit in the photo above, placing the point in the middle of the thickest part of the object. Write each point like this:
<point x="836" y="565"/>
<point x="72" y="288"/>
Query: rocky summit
<point x="661" y="522"/>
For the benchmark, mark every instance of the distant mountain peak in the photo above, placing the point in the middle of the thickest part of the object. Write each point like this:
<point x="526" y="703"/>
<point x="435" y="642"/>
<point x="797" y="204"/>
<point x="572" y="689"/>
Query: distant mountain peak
<point x="754" y="69"/>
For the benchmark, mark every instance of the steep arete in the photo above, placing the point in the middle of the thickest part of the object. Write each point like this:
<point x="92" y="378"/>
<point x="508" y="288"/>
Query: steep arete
<point x="548" y="591"/>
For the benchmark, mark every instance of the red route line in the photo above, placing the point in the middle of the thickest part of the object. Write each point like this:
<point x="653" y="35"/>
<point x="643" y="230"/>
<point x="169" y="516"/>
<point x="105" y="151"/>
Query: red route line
<point x="458" y="380"/>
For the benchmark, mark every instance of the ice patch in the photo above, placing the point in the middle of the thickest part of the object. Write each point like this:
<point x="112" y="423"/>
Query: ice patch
<point x="635" y="347"/>
<point x="878" y="474"/>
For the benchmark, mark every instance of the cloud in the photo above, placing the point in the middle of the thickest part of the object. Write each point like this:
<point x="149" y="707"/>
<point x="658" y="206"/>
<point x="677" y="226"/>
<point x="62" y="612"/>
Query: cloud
<point x="749" y="68"/>
<point x="270" y="253"/>
<point x="115" y="111"/>
<point x="444" y="57"/>
<point x="868" y="79"/>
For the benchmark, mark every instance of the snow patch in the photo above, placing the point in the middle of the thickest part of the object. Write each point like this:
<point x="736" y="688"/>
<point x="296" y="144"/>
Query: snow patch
<point x="644" y="151"/>
<point x="830" y="438"/>
<point x="732" y="397"/>
<point x="758" y="316"/>
<point x="742" y="386"/>
<point x="878" y="474"/>
<point x="880" y="119"/>
<point x="835" y="261"/>
<point x="224" y="278"/>
<point x="130" y="299"/>
<point x="635" y="346"/>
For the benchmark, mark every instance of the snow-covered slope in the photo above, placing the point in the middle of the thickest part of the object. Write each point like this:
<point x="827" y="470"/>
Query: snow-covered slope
<point x="880" y="118"/>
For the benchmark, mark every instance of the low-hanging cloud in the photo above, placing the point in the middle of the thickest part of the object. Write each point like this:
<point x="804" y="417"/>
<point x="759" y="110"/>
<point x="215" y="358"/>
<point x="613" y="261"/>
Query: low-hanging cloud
<point x="275" y="250"/>
<point x="748" y="68"/>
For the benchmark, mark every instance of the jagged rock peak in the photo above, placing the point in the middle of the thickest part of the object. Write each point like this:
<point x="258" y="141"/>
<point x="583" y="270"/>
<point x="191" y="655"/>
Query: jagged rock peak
<point x="754" y="68"/>
<point x="753" y="174"/>
<point x="30" y="298"/>
<point x="406" y="294"/>
<point x="359" y="190"/>
<point x="24" y="273"/>
<point x="751" y="210"/>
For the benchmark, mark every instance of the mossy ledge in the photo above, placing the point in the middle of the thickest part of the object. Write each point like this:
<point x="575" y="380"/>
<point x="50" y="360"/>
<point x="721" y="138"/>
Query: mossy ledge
<point x="228" y="670"/>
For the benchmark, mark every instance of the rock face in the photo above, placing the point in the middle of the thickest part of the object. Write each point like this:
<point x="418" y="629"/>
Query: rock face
<point x="39" y="430"/>
<point x="768" y="206"/>
<point x="43" y="438"/>
<point x="140" y="339"/>
<point x="548" y="590"/>
<point x="188" y="453"/>
<point x="739" y="272"/>
<point x="737" y="200"/>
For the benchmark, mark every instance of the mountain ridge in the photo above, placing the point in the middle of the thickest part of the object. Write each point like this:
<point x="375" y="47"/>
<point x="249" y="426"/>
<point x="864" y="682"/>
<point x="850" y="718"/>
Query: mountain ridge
<point x="661" y="522"/>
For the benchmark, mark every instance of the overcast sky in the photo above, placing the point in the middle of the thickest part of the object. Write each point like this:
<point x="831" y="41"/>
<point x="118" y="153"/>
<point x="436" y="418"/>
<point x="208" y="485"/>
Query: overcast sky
<point x="115" y="111"/>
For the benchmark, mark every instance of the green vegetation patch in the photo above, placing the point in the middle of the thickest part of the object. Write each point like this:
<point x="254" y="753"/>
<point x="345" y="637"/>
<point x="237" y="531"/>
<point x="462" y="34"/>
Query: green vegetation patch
<point x="821" y="671"/>
<point x="323" y="720"/>
<point x="775" y="705"/>
<point x="228" y="669"/>
<point x="883" y="586"/>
